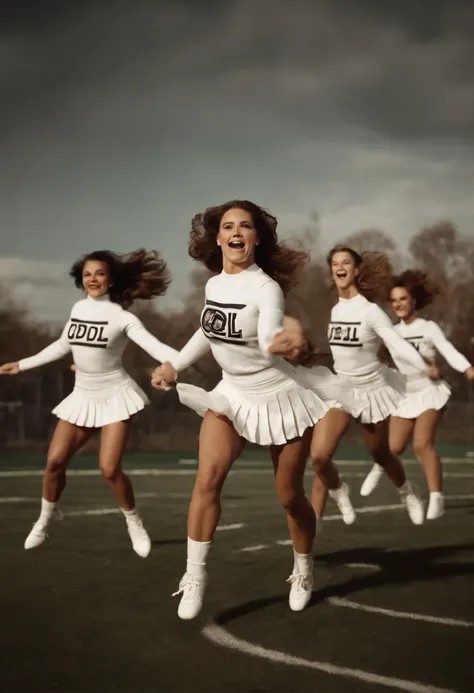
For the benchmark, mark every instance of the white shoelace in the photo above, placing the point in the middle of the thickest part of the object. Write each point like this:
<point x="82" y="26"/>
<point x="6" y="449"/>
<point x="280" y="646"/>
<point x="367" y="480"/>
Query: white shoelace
<point x="301" y="582"/>
<point x="188" y="585"/>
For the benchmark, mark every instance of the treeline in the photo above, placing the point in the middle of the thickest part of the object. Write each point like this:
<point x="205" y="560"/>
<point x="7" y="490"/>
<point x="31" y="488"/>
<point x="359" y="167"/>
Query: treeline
<point x="26" y="400"/>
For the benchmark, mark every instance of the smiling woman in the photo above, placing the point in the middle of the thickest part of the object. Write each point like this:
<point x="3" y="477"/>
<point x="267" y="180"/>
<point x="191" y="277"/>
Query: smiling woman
<point x="104" y="397"/>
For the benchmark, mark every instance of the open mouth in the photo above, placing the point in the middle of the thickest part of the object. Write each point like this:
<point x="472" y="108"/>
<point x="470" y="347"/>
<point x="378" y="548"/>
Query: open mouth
<point x="237" y="245"/>
<point x="341" y="275"/>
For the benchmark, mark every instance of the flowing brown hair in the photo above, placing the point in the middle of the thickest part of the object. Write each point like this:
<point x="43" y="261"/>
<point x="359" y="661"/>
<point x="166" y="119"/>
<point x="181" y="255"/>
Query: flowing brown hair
<point x="283" y="264"/>
<point x="136" y="275"/>
<point x="422" y="290"/>
<point x="375" y="277"/>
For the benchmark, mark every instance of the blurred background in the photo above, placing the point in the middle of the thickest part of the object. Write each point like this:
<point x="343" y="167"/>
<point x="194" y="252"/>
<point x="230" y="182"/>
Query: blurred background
<point x="121" y="120"/>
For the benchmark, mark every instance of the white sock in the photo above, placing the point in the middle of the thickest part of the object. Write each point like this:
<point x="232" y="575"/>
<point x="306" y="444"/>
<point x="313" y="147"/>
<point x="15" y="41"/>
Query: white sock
<point x="47" y="509"/>
<point x="335" y="492"/>
<point x="129" y="513"/>
<point x="197" y="554"/>
<point x="436" y="494"/>
<point x="303" y="563"/>
<point x="404" y="488"/>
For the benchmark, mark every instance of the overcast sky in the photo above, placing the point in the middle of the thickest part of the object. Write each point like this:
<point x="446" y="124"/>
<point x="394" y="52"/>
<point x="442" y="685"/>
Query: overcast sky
<point x="120" y="120"/>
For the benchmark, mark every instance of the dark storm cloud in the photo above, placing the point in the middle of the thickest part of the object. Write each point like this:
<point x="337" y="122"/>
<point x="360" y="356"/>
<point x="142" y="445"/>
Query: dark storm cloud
<point x="404" y="69"/>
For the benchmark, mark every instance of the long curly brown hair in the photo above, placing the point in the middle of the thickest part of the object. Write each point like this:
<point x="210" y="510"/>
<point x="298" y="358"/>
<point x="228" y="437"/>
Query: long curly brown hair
<point x="422" y="290"/>
<point x="136" y="275"/>
<point x="283" y="264"/>
<point x="375" y="277"/>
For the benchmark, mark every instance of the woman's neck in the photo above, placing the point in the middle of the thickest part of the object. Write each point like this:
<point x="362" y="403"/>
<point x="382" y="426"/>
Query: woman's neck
<point x="411" y="318"/>
<point x="232" y="268"/>
<point x="351" y="292"/>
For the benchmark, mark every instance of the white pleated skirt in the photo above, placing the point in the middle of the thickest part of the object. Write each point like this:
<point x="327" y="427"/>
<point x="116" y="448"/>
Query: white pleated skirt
<point x="381" y="393"/>
<point x="266" y="413"/>
<point x="101" y="399"/>
<point x="421" y="397"/>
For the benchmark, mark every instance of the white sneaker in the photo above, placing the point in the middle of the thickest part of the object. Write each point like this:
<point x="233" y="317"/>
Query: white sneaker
<point x="343" y="502"/>
<point x="140" y="540"/>
<point x="414" y="503"/>
<point x="39" y="533"/>
<point x="371" y="480"/>
<point x="435" y="507"/>
<point x="192" y="587"/>
<point x="300" y="591"/>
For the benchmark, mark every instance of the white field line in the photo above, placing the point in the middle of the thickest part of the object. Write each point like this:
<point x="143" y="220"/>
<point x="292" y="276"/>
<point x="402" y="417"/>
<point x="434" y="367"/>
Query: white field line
<point x="370" y="566"/>
<point x="223" y="638"/>
<point x="256" y="547"/>
<point x="338" y="601"/>
<point x="225" y="528"/>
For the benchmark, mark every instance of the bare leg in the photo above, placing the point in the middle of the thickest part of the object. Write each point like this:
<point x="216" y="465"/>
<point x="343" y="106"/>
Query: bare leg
<point x="423" y="445"/>
<point x="376" y="439"/>
<point x="289" y="463"/>
<point x="66" y="441"/>
<point x="113" y="439"/>
<point x="327" y="434"/>
<point x="219" y="446"/>
<point x="400" y="432"/>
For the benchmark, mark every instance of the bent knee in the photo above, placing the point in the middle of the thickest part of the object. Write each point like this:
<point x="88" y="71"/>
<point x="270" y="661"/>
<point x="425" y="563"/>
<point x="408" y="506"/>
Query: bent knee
<point x="56" y="464"/>
<point x="319" y="459"/>
<point x="210" y="481"/>
<point x="397" y="447"/>
<point x="110" y="473"/>
<point x="421" y="446"/>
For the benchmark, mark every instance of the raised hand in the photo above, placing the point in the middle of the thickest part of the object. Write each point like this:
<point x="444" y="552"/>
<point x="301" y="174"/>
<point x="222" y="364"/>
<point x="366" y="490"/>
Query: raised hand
<point x="290" y="341"/>
<point x="10" y="368"/>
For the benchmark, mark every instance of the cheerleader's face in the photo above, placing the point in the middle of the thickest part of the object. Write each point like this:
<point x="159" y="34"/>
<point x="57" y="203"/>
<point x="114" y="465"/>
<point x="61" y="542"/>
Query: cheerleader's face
<point x="403" y="304"/>
<point x="96" y="278"/>
<point x="343" y="270"/>
<point x="237" y="238"/>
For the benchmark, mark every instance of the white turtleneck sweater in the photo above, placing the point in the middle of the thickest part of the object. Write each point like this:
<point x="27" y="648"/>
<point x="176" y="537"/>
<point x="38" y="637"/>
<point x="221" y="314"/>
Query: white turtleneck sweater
<point x="96" y="334"/>
<point x="428" y="338"/>
<point x="357" y="329"/>
<point x="241" y="315"/>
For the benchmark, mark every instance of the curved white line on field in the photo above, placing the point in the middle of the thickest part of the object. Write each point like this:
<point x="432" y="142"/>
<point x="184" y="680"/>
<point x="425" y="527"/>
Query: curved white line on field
<point x="220" y="636"/>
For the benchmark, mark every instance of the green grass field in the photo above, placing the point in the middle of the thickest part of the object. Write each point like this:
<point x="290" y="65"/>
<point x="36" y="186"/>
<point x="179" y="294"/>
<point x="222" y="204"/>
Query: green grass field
<point x="393" y="607"/>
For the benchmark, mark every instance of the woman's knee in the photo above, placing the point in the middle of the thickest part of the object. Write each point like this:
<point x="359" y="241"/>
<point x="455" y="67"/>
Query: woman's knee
<point x="209" y="481"/>
<point x="110" y="472"/>
<point x="397" y="447"/>
<point x="319" y="458"/>
<point x="421" y="446"/>
<point x="56" y="462"/>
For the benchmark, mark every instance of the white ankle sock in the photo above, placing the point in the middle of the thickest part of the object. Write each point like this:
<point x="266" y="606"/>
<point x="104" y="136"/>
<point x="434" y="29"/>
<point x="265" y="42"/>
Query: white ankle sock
<point x="130" y="513"/>
<point x="197" y="554"/>
<point x="404" y="488"/>
<point x="47" y="509"/>
<point x="303" y="563"/>
<point x="436" y="494"/>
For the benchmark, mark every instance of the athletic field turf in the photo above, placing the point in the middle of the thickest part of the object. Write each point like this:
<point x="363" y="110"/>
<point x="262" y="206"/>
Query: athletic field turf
<point x="393" y="607"/>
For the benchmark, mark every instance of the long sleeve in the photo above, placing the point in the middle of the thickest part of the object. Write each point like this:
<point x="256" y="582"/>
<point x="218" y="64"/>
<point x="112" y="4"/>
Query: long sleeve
<point x="192" y="351"/>
<point x="398" y="347"/>
<point x="53" y="352"/>
<point x="455" y="359"/>
<point x="136" y="331"/>
<point x="271" y="305"/>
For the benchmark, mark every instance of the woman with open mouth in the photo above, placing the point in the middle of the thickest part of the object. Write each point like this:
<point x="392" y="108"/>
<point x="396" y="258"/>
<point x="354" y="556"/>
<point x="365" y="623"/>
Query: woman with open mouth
<point x="357" y="329"/>
<point x="419" y="412"/>
<point x="259" y="398"/>
<point x="105" y="397"/>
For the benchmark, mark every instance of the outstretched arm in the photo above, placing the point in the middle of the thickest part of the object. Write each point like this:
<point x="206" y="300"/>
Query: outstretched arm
<point x="53" y="352"/>
<point x="137" y="332"/>
<point x="192" y="351"/>
<point x="448" y="351"/>
<point x="398" y="347"/>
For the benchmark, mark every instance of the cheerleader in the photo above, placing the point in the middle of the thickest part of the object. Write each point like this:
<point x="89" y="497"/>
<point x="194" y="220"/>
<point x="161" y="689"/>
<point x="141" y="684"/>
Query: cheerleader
<point x="419" y="412"/>
<point x="104" y="397"/>
<point x="357" y="329"/>
<point x="259" y="398"/>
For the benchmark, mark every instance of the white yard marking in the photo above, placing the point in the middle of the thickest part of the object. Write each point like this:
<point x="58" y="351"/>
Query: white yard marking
<point x="338" y="601"/>
<point x="18" y="499"/>
<point x="236" y="525"/>
<point x="370" y="566"/>
<point x="257" y="547"/>
<point x="94" y="511"/>
<point x="190" y="462"/>
<point x="222" y="637"/>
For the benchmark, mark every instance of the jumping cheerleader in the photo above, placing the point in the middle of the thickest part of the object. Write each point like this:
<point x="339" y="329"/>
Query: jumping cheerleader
<point x="104" y="397"/>
<point x="419" y="412"/>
